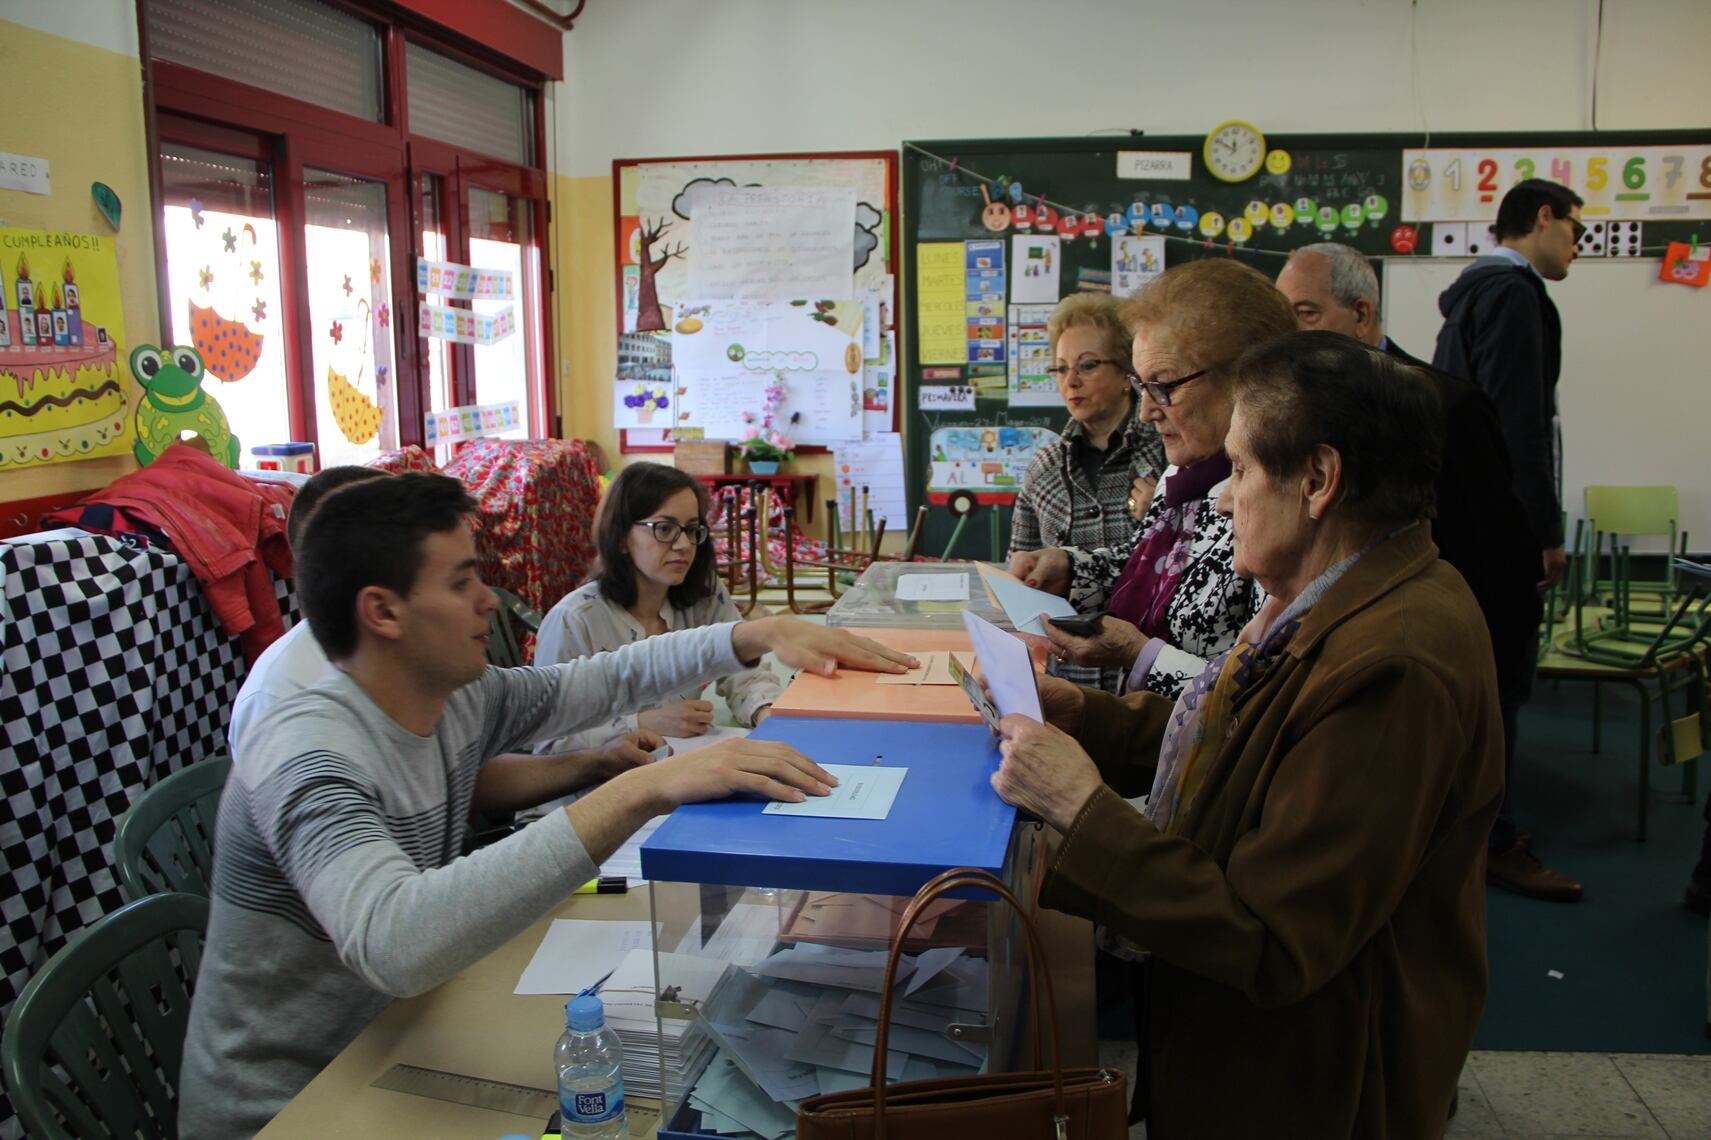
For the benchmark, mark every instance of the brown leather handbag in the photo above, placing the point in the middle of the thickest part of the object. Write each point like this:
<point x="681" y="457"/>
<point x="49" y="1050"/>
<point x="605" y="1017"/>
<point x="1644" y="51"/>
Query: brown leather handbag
<point x="1051" y="1104"/>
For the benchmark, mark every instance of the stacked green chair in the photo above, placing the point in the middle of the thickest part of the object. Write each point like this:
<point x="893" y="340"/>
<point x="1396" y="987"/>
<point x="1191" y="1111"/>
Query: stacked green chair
<point x="95" y="1043"/>
<point x="165" y="840"/>
<point x="505" y="647"/>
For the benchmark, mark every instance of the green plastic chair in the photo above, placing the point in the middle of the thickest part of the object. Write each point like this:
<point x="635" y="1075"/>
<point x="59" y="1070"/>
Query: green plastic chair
<point x="1620" y="514"/>
<point x="504" y="647"/>
<point x="165" y="840"/>
<point x="95" y="1043"/>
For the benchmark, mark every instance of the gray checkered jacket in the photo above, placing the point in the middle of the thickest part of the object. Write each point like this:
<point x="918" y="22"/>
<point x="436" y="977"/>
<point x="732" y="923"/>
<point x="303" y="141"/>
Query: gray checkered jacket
<point x="1056" y="507"/>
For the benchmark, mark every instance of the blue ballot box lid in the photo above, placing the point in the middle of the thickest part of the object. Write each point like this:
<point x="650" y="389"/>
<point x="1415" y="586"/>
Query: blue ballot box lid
<point x="945" y="815"/>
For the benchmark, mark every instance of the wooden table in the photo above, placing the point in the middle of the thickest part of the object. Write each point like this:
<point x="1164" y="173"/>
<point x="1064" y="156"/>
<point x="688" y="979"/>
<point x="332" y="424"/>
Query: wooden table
<point x="784" y="484"/>
<point x="475" y="1026"/>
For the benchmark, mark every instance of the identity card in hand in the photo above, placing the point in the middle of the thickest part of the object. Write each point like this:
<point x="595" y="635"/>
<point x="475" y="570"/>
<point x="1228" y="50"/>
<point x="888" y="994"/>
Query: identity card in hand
<point x="1009" y="670"/>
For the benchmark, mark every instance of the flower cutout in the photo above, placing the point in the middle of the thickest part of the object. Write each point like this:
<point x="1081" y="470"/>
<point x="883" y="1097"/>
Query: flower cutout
<point x="206" y="276"/>
<point x="348" y="287"/>
<point x="380" y="377"/>
<point x="259" y="309"/>
<point x="337" y="332"/>
<point x="384" y="315"/>
<point x="255" y="272"/>
<point x="229" y="240"/>
<point x="196" y="212"/>
<point x="374" y="271"/>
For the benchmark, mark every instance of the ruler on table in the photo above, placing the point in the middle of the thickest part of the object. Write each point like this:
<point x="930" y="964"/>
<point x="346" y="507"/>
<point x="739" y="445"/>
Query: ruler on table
<point x="497" y="1096"/>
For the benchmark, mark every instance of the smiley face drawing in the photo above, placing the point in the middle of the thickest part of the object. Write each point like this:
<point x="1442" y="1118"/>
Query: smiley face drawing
<point x="996" y="215"/>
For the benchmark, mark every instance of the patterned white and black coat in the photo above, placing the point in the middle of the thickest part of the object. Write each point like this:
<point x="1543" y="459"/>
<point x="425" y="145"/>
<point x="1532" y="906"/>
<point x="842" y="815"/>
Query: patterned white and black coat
<point x="1210" y="606"/>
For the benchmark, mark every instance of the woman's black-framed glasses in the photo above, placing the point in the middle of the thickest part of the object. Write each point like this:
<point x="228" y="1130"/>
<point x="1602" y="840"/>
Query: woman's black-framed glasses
<point x="667" y="530"/>
<point x="1082" y="368"/>
<point x="1160" y="390"/>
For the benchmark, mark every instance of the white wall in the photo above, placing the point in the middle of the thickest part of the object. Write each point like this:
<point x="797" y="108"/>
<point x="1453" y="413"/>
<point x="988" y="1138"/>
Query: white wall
<point x="110" y="24"/>
<point x="653" y="78"/>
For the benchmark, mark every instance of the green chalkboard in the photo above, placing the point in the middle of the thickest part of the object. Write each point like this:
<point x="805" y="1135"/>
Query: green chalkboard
<point x="1384" y="194"/>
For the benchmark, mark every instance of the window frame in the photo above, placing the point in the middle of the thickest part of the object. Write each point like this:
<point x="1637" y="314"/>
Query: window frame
<point x="197" y="108"/>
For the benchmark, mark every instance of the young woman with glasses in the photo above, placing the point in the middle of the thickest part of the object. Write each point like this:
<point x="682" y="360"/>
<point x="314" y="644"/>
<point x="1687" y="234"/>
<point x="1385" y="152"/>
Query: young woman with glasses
<point x="657" y="575"/>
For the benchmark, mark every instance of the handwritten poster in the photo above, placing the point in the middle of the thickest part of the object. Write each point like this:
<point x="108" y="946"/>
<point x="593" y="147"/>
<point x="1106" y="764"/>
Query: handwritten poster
<point x="727" y="353"/>
<point x="774" y="242"/>
<point x="939" y="285"/>
<point x="876" y="463"/>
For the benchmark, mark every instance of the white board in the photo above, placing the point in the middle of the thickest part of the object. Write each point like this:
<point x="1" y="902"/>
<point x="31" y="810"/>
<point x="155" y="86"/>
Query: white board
<point x="1635" y="394"/>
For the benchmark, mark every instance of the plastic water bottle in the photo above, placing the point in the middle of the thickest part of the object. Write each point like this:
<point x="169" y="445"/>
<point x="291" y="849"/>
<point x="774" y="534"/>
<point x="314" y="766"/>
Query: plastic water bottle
<point x="590" y="1063"/>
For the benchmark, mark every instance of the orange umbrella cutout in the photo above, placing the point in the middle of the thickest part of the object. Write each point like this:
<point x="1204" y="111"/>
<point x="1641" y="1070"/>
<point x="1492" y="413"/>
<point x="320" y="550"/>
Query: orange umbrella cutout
<point x="230" y="349"/>
<point x="357" y="416"/>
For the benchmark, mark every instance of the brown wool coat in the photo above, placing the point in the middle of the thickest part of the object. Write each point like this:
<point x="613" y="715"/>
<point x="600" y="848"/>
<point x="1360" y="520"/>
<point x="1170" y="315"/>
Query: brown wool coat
<point x="1318" y="926"/>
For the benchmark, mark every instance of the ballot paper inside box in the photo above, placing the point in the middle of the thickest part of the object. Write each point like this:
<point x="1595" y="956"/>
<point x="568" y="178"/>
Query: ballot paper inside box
<point x="794" y="916"/>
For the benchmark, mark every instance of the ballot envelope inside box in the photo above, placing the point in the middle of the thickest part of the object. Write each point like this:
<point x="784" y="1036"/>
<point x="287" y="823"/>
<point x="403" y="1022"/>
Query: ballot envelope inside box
<point x="772" y="934"/>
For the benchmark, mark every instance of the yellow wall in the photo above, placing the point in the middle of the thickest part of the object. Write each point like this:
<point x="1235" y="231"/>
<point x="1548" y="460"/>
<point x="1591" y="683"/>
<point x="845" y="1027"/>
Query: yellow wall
<point x="587" y="335"/>
<point x="94" y="133"/>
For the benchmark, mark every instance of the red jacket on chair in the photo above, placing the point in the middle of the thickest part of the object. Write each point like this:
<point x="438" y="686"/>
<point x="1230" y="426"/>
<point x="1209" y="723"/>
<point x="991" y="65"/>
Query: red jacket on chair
<point x="230" y="531"/>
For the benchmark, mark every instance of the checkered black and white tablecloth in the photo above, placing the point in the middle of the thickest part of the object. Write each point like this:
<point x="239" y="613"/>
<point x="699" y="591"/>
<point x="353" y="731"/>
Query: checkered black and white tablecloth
<point x="114" y="673"/>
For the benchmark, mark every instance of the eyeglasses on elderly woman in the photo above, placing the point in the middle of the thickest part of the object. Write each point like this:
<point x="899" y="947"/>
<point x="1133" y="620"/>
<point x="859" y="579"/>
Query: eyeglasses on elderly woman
<point x="1082" y="368"/>
<point x="1161" y="390"/>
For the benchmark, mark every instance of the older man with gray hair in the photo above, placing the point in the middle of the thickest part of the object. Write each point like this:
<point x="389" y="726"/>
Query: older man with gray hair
<point x="1481" y="527"/>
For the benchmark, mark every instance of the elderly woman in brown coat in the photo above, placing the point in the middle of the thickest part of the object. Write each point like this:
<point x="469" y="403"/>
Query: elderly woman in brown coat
<point x="1304" y="881"/>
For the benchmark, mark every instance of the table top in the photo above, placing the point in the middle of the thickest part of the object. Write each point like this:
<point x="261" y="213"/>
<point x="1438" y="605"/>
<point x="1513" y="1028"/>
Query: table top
<point x="873" y="600"/>
<point x="473" y="1025"/>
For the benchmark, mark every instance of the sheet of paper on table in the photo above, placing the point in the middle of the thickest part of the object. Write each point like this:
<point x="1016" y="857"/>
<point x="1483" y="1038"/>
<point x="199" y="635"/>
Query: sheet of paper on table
<point x="1009" y="670"/>
<point x="1021" y="603"/>
<point x="934" y="669"/>
<point x="862" y="792"/>
<point x="576" y="953"/>
<point x="932" y="587"/>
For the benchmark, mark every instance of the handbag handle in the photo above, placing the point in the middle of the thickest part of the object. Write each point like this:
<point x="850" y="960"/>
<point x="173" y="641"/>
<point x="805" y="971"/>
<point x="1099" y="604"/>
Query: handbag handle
<point x="1038" y="979"/>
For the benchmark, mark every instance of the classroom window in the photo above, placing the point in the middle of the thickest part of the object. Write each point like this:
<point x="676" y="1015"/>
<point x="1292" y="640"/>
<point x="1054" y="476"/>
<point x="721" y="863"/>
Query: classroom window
<point x="371" y="140"/>
<point x="345" y="251"/>
<point x="222" y="259"/>
<point x="499" y="238"/>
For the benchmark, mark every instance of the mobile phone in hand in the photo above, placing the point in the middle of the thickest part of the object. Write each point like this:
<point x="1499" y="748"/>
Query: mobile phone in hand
<point x="1081" y="625"/>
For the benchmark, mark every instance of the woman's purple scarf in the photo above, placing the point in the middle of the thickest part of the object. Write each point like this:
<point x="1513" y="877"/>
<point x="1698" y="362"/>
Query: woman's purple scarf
<point x="1144" y="589"/>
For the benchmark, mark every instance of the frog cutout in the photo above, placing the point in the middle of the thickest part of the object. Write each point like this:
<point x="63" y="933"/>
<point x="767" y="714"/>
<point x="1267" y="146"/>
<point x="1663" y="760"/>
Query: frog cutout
<point x="174" y="403"/>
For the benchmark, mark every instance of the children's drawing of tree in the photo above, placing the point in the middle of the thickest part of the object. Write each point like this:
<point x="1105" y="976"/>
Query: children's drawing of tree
<point x="649" y="317"/>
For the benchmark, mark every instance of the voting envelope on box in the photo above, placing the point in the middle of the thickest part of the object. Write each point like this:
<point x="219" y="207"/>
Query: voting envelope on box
<point x="797" y="903"/>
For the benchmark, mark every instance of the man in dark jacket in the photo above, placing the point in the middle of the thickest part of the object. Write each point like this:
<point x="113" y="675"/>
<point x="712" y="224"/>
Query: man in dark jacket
<point x="1481" y="527"/>
<point x="1502" y="332"/>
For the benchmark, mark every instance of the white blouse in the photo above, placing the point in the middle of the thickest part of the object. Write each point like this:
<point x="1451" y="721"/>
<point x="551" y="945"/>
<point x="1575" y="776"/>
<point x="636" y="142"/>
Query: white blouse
<point x="586" y="622"/>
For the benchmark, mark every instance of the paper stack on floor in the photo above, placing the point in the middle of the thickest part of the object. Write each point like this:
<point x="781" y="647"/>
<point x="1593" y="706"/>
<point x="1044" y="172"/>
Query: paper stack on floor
<point x="805" y="1021"/>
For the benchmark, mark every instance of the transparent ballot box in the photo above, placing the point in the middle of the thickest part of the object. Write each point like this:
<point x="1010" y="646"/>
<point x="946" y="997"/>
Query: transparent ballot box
<point x="771" y="934"/>
<point x="873" y="600"/>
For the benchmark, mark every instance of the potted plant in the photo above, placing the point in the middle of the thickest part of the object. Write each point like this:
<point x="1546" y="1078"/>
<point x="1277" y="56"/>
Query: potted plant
<point x="765" y="451"/>
<point x="763" y="445"/>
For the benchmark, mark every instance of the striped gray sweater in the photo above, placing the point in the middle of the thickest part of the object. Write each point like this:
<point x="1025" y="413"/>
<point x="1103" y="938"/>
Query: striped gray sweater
<point x="337" y="878"/>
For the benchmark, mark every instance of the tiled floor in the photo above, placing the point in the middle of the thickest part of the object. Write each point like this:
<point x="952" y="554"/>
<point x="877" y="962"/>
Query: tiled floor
<point x="1554" y="1096"/>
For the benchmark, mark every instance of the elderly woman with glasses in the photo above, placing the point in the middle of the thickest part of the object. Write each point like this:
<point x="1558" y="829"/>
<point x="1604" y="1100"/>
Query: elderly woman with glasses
<point x="1170" y="592"/>
<point x="657" y="575"/>
<point x="1303" y="888"/>
<point x="1090" y="487"/>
